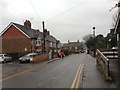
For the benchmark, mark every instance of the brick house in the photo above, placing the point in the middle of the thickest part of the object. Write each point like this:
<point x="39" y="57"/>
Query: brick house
<point x="18" y="39"/>
<point x="73" y="47"/>
<point x="51" y="43"/>
<point x="117" y="31"/>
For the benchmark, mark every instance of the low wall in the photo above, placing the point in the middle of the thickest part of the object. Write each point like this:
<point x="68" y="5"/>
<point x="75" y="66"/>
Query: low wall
<point x="40" y="58"/>
<point x="55" y="56"/>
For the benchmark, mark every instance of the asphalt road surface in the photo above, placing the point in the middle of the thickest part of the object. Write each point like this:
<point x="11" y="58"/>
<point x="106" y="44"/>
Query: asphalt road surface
<point x="62" y="73"/>
<point x="74" y="71"/>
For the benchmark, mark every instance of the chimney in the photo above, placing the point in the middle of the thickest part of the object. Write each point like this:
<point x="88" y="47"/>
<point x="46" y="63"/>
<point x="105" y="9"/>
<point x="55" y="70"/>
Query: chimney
<point x="68" y="41"/>
<point x="48" y="32"/>
<point x="27" y="24"/>
<point x="112" y="30"/>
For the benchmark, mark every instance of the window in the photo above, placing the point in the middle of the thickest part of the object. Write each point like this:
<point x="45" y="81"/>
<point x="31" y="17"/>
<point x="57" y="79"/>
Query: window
<point x="38" y="42"/>
<point x="50" y="44"/>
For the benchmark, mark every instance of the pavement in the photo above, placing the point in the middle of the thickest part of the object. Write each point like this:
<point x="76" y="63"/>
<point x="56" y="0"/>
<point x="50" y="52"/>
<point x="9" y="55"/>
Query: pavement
<point x="115" y="71"/>
<point x="96" y="78"/>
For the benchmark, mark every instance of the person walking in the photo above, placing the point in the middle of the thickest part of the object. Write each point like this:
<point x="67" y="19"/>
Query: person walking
<point x="62" y="54"/>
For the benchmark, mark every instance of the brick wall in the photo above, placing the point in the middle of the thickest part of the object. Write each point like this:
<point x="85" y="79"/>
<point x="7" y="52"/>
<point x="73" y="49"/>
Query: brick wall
<point x="13" y="41"/>
<point x="16" y="45"/>
<point x="40" y="58"/>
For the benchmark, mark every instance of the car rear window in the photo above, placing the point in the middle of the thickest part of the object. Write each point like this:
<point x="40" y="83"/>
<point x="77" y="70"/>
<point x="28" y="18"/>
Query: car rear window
<point x="1" y="55"/>
<point x="6" y="55"/>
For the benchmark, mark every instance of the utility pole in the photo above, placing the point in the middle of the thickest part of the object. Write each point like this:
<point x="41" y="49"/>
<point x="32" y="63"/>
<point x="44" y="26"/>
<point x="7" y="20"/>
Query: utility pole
<point x="43" y="37"/>
<point x="94" y="41"/>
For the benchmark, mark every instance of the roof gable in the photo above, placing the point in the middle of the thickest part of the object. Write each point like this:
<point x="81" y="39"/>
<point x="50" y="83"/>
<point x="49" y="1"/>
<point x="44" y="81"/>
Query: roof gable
<point x="30" y="33"/>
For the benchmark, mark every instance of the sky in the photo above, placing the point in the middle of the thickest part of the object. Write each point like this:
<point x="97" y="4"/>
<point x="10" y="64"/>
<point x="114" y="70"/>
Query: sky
<point x="65" y="19"/>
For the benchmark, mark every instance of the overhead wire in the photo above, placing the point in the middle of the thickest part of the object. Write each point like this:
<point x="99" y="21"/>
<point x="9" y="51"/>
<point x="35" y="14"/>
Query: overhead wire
<point x="31" y="3"/>
<point x="61" y="14"/>
<point x="14" y="10"/>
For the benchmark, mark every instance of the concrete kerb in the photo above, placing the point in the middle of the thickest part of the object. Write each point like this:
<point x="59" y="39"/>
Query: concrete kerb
<point x="52" y="60"/>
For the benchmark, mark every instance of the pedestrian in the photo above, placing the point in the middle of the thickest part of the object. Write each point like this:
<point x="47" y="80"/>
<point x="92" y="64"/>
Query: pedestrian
<point x="62" y="54"/>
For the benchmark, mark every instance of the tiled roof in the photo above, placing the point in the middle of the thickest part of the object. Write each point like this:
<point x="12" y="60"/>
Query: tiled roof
<point x="32" y="33"/>
<point x="51" y="38"/>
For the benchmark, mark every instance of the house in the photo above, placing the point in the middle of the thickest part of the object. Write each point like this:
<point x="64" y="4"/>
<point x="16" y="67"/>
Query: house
<point x="117" y="31"/>
<point x="20" y="39"/>
<point x="51" y="43"/>
<point x="73" y="47"/>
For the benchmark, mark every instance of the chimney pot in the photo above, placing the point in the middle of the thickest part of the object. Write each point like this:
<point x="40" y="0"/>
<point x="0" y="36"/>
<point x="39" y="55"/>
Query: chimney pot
<point x="27" y="23"/>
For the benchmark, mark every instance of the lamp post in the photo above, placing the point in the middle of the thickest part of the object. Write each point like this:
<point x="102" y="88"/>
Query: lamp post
<point x="94" y="41"/>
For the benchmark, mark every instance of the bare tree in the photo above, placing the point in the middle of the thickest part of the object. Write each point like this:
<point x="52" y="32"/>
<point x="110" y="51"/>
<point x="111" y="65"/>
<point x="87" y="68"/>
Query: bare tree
<point x="115" y="16"/>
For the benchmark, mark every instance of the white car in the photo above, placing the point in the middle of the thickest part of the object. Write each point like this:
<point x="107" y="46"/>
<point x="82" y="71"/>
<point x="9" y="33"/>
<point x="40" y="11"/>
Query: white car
<point x="5" y="58"/>
<point x="27" y="58"/>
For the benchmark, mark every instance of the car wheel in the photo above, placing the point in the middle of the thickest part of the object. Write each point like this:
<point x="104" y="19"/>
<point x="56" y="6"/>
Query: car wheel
<point x="21" y="62"/>
<point x="3" y="61"/>
<point x="28" y="61"/>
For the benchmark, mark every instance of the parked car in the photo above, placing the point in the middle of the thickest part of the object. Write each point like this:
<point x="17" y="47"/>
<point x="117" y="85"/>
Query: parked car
<point x="27" y="58"/>
<point x="82" y="51"/>
<point x="5" y="58"/>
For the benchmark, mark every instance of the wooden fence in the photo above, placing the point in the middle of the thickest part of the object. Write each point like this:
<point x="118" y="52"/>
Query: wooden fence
<point x="103" y="64"/>
<point x="110" y="53"/>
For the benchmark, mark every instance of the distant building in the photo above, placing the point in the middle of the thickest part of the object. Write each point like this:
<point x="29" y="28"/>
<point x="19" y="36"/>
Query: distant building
<point x="73" y="47"/>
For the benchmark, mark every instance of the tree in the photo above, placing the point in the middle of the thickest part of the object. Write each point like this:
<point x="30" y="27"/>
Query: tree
<point x="90" y="43"/>
<point x="111" y="39"/>
<point x="115" y="17"/>
<point x="82" y="45"/>
<point x="100" y="41"/>
<point x="95" y="43"/>
<point x="87" y="37"/>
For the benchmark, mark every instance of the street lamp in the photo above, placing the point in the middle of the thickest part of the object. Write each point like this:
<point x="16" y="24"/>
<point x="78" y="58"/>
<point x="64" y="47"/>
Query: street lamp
<point x="94" y="41"/>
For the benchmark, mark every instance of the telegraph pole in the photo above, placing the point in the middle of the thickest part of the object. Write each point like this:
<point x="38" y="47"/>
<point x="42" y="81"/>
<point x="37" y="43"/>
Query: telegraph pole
<point x="94" y="42"/>
<point x="43" y="37"/>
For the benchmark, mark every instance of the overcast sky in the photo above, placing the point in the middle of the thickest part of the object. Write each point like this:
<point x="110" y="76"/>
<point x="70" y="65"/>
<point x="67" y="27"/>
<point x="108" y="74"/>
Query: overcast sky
<point x="65" y="19"/>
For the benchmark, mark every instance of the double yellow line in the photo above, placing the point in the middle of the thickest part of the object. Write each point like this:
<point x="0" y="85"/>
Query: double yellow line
<point x="78" y="77"/>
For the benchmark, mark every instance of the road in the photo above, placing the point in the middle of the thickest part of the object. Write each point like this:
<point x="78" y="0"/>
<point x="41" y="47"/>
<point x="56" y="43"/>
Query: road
<point x="68" y="72"/>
